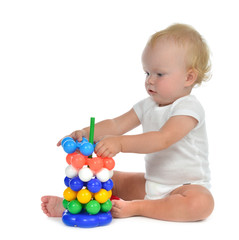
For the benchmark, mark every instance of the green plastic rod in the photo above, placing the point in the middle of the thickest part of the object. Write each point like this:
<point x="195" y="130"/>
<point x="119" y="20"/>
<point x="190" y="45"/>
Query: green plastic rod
<point x="92" y="130"/>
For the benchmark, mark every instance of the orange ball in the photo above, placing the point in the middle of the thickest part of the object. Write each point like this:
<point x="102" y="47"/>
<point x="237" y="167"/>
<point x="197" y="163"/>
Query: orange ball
<point x="109" y="163"/>
<point x="69" y="157"/>
<point x="95" y="164"/>
<point x="69" y="194"/>
<point x="102" y="196"/>
<point x="78" y="161"/>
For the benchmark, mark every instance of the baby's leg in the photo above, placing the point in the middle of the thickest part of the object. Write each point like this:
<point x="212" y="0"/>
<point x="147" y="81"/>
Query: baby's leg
<point x="186" y="203"/>
<point x="129" y="186"/>
<point x="52" y="206"/>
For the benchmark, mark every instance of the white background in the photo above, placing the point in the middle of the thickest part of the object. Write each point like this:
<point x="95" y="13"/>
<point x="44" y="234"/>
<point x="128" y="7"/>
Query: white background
<point x="62" y="62"/>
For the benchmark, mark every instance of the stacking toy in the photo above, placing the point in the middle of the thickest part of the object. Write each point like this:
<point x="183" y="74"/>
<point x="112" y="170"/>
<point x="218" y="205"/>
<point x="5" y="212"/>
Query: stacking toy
<point x="88" y="184"/>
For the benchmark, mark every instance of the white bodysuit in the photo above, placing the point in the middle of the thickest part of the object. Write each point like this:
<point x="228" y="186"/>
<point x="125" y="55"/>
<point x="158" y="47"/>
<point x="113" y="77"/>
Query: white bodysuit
<point x="186" y="161"/>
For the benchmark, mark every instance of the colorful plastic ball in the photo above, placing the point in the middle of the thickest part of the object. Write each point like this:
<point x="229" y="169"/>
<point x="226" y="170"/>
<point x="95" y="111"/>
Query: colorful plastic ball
<point x="111" y="173"/>
<point x="78" y="144"/>
<point x="87" y="149"/>
<point x="85" y="174"/>
<point x="65" y="139"/>
<point x="67" y="181"/>
<point x="69" y="194"/>
<point x="108" y="185"/>
<point x="65" y="203"/>
<point x="69" y="157"/>
<point x="110" y="193"/>
<point x="106" y="207"/>
<point x="71" y="171"/>
<point x="109" y="163"/>
<point x="84" y="140"/>
<point x="76" y="184"/>
<point x="101" y="196"/>
<point x="74" y="207"/>
<point x="84" y="196"/>
<point x="103" y="175"/>
<point x="94" y="185"/>
<point x="69" y="145"/>
<point x="78" y="161"/>
<point x="93" y="207"/>
<point x="95" y="164"/>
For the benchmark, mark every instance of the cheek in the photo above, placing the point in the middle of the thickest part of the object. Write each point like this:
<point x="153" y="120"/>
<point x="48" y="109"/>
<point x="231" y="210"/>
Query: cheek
<point x="164" y="87"/>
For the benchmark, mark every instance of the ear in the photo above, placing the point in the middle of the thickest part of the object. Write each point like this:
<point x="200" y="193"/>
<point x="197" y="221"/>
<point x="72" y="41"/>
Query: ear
<point x="191" y="77"/>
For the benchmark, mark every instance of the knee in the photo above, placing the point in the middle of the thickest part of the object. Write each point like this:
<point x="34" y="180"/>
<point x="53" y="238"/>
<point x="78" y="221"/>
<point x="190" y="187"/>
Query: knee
<point x="200" y="206"/>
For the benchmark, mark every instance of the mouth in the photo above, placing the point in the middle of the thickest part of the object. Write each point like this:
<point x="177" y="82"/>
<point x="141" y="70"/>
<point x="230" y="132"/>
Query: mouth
<point x="151" y="92"/>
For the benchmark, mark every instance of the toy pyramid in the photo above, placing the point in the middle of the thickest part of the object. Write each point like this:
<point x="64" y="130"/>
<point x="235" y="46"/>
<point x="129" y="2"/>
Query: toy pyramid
<point x="89" y="185"/>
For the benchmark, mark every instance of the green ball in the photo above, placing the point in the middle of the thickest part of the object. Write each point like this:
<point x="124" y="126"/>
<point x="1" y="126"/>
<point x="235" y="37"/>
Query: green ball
<point x="65" y="203"/>
<point x="93" y="207"/>
<point x="74" y="207"/>
<point x="106" y="207"/>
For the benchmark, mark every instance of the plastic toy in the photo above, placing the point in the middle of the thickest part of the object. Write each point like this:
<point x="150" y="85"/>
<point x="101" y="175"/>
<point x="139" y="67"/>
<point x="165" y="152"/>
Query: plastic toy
<point x="89" y="187"/>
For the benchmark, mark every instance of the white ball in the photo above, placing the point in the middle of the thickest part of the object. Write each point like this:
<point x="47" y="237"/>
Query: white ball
<point x="71" y="172"/>
<point x="111" y="173"/>
<point x="85" y="174"/>
<point x="103" y="175"/>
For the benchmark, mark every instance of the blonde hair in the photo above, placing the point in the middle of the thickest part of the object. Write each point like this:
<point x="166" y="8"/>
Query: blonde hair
<point x="198" y="53"/>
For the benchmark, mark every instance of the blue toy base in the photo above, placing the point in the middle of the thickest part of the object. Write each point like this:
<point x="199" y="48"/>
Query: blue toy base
<point x="86" y="220"/>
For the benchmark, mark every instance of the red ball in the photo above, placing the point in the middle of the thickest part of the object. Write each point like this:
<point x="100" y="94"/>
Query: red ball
<point x="78" y="161"/>
<point x="95" y="164"/>
<point x="69" y="157"/>
<point x="109" y="163"/>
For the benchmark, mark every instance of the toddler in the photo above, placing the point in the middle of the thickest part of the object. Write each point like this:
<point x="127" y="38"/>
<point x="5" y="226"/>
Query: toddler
<point x="175" y="186"/>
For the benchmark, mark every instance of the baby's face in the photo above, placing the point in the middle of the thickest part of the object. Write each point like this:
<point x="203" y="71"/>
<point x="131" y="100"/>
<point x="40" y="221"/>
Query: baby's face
<point x="166" y="72"/>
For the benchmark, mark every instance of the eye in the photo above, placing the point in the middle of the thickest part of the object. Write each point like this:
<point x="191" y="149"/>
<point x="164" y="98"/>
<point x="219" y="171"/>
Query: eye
<point x="147" y="74"/>
<point x="160" y="74"/>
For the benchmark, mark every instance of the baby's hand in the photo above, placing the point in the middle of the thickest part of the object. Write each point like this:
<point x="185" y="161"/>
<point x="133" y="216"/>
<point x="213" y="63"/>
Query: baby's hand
<point x="108" y="146"/>
<point x="76" y="135"/>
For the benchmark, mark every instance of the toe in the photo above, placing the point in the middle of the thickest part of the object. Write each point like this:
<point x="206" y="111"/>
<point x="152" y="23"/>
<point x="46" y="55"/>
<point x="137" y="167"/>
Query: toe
<point x="115" y="204"/>
<point x="45" y="199"/>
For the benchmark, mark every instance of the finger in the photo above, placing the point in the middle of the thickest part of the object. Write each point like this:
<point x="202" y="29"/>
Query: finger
<point x="98" y="139"/>
<point x="97" y="147"/>
<point x="107" y="153"/>
<point x="111" y="155"/>
<point x="100" y="150"/>
<point x="77" y="135"/>
<point x="59" y="143"/>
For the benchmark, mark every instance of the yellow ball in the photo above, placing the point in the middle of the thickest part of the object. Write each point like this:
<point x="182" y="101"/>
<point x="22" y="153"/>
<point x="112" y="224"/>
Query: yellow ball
<point x="84" y="196"/>
<point x="69" y="194"/>
<point x="110" y="193"/>
<point x="102" y="196"/>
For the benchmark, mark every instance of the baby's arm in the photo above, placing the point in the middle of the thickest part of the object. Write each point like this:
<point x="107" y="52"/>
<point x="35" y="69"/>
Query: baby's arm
<point x="174" y="129"/>
<point x="115" y="127"/>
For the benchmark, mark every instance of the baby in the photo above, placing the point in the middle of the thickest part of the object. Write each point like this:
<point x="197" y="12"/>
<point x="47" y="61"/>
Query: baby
<point x="175" y="186"/>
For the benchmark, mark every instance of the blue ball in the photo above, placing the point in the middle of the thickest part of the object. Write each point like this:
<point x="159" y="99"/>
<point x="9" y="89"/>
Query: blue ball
<point x="67" y="181"/>
<point x="94" y="185"/>
<point x="87" y="149"/>
<point x="76" y="184"/>
<point x="84" y="140"/>
<point x="108" y="185"/>
<point x="65" y="139"/>
<point x="69" y="145"/>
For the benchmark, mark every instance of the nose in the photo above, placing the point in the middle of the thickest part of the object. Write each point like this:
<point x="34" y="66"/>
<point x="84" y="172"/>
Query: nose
<point x="150" y="80"/>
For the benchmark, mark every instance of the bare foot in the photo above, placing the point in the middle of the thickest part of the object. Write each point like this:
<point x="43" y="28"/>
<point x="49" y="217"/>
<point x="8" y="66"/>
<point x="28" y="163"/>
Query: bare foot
<point x="122" y="209"/>
<point x="52" y="206"/>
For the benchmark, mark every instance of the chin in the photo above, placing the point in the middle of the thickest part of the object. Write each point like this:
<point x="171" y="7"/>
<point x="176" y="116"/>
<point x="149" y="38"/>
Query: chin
<point x="160" y="102"/>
